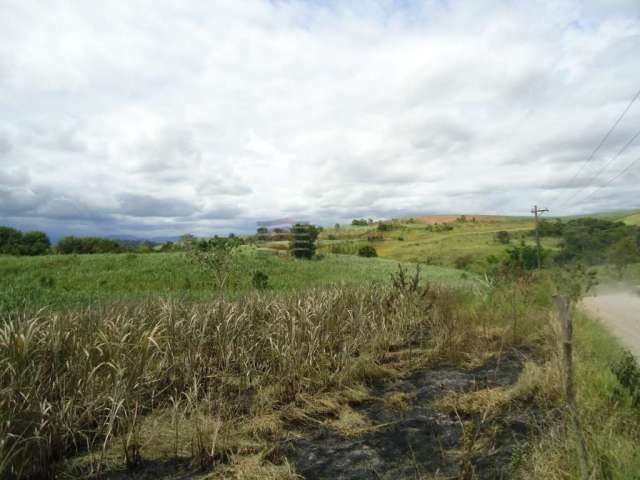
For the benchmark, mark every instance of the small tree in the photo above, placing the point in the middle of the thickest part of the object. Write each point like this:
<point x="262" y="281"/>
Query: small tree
<point x="10" y="241"/>
<point x="503" y="237"/>
<point x="303" y="240"/>
<point x="217" y="256"/>
<point x="524" y="257"/>
<point x="463" y="261"/>
<point x="262" y="234"/>
<point x="622" y="253"/>
<point x="187" y="240"/>
<point x="260" y="280"/>
<point x="367" y="251"/>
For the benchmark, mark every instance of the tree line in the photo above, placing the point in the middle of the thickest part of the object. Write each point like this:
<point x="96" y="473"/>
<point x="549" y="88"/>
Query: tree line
<point x="588" y="240"/>
<point x="16" y="242"/>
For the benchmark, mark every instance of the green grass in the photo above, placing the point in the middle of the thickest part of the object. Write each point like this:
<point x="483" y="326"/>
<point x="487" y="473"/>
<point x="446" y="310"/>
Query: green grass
<point x="414" y="243"/>
<point x="610" y="422"/>
<point x="632" y="219"/>
<point x="615" y="216"/>
<point x="65" y="280"/>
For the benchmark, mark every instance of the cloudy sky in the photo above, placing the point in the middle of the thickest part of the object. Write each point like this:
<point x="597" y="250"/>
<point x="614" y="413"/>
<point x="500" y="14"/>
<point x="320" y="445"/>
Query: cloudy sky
<point x="163" y="117"/>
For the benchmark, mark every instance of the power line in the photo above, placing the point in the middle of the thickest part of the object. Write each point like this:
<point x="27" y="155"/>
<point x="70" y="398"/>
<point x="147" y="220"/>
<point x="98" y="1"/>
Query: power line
<point x="613" y="179"/>
<point x="604" y="139"/>
<point x="602" y="168"/>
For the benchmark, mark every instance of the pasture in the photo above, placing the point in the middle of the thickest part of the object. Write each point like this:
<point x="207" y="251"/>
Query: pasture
<point x="423" y="243"/>
<point x="79" y="280"/>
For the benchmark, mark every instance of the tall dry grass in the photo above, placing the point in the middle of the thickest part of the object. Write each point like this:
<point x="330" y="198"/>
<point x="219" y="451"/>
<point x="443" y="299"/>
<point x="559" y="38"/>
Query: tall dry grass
<point x="82" y="381"/>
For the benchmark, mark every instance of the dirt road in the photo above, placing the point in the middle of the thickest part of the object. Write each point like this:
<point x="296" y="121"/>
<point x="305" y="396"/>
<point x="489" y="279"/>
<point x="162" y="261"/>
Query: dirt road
<point x="621" y="313"/>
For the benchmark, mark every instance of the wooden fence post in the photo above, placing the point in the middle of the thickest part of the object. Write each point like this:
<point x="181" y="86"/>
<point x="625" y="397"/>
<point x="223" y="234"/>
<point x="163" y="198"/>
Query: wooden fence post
<point x="564" y="315"/>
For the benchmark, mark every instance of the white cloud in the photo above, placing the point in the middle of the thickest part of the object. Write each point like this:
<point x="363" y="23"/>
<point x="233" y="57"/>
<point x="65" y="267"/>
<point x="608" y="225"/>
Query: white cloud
<point x="168" y="116"/>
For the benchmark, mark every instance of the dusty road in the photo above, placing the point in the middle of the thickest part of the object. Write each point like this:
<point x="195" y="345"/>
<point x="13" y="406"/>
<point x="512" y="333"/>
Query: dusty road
<point x="621" y="313"/>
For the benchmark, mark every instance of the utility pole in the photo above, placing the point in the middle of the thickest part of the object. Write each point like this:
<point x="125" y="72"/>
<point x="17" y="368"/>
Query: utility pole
<point x="538" y="211"/>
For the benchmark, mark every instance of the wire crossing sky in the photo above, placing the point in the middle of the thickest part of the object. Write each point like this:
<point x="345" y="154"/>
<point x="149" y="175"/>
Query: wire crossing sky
<point x="157" y="118"/>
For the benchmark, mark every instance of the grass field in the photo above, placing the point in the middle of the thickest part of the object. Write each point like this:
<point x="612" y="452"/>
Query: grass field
<point x="614" y="216"/>
<point x="65" y="280"/>
<point x="154" y="366"/>
<point x="413" y="242"/>
<point x="632" y="219"/>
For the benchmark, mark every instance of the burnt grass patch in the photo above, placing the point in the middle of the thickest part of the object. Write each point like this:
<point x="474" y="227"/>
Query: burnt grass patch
<point x="420" y="440"/>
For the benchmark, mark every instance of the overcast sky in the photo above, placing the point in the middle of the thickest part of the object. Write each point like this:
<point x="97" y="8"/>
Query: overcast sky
<point x="163" y="117"/>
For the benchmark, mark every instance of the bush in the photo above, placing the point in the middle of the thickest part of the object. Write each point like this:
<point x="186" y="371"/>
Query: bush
<point x="367" y="251"/>
<point x="627" y="372"/>
<point x="345" y="248"/>
<point x="87" y="245"/>
<point x="217" y="256"/>
<point x="550" y="229"/>
<point x="589" y="239"/>
<point x="260" y="280"/>
<point x="622" y="253"/>
<point x="463" y="261"/>
<point x="360" y="222"/>
<point x="443" y="227"/>
<point x="385" y="227"/>
<point x="524" y="257"/>
<point x="503" y="237"/>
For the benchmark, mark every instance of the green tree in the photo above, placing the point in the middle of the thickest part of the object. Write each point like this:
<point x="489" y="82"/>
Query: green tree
<point x="622" y="253"/>
<point x="217" y="256"/>
<point x="589" y="239"/>
<point x="35" y="243"/>
<point x="367" y="251"/>
<point x="524" y="257"/>
<point x="87" y="245"/>
<point x="503" y="237"/>
<point x="10" y="241"/>
<point x="262" y="234"/>
<point x="303" y="240"/>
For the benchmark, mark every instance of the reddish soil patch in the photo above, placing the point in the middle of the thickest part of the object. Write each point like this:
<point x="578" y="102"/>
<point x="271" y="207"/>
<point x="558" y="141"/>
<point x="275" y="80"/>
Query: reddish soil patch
<point x="432" y="219"/>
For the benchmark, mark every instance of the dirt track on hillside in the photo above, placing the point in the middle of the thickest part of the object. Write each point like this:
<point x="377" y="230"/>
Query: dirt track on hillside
<point x="620" y="311"/>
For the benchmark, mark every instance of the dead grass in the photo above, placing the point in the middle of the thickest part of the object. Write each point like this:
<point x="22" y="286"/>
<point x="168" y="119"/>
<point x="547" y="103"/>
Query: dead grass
<point x="399" y="401"/>
<point x="538" y="385"/>
<point x="218" y="385"/>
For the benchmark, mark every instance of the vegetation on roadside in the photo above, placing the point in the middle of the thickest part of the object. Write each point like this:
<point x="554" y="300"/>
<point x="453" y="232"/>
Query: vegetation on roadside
<point x="606" y="400"/>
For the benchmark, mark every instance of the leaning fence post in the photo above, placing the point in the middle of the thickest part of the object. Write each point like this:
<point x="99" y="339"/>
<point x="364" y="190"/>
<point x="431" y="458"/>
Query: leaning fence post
<point x="564" y="315"/>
